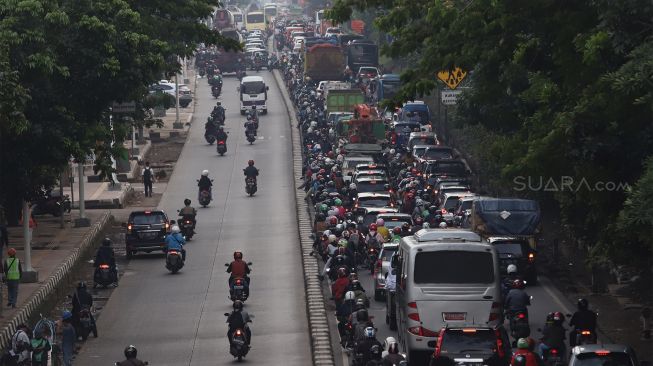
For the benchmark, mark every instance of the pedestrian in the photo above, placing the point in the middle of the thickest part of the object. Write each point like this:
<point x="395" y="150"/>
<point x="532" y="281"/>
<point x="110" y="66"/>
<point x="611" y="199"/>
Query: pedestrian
<point x="13" y="273"/>
<point x="40" y="348"/>
<point x="68" y="337"/>
<point x="4" y="235"/>
<point x="148" y="179"/>
<point x="21" y="345"/>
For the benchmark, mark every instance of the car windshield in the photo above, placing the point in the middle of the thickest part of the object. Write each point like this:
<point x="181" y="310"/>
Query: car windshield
<point x="451" y="203"/>
<point x="373" y="201"/>
<point x="387" y="254"/>
<point x="255" y="18"/>
<point x="456" y="341"/>
<point x="371" y="186"/>
<point x="393" y="223"/>
<point x="405" y="128"/>
<point x="454" y="168"/>
<point x="437" y="154"/>
<point x="148" y="219"/>
<point x="610" y="359"/>
<point x="423" y="140"/>
<point x="252" y="87"/>
<point x="390" y="89"/>
<point x="353" y="163"/>
<point x="511" y="248"/>
<point x="417" y="152"/>
<point x="452" y="266"/>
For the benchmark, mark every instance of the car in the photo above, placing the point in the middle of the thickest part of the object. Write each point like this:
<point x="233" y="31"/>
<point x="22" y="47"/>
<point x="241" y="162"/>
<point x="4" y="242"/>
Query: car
<point x="446" y="168"/>
<point x="146" y="231"/>
<point x="372" y="173"/>
<point x="374" y="200"/>
<point x="463" y="211"/>
<point x="449" y="189"/>
<point x="367" y="73"/>
<point x="163" y="86"/>
<point x="185" y="96"/>
<point x="415" y="111"/>
<point x="449" y="201"/>
<point x="422" y="138"/>
<point x="350" y="162"/>
<point x="404" y="129"/>
<point x="518" y="252"/>
<point x="372" y="184"/>
<point x="418" y="150"/>
<point x="382" y="267"/>
<point x="442" y="182"/>
<point x="332" y="31"/>
<point x="367" y="216"/>
<point x="472" y="345"/>
<point x="604" y="354"/>
<point x="434" y="154"/>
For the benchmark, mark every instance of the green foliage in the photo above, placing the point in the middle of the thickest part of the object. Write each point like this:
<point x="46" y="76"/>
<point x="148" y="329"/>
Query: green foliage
<point x="62" y="65"/>
<point x="566" y="87"/>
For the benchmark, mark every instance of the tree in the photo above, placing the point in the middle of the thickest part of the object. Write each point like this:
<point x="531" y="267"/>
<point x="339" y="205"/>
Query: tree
<point x="565" y="85"/>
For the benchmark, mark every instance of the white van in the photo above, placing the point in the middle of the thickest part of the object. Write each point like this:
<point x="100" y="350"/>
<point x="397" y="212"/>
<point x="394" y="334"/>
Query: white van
<point x="253" y="92"/>
<point x="444" y="276"/>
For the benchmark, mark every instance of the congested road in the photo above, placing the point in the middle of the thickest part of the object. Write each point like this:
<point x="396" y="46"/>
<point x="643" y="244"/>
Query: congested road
<point x="179" y="319"/>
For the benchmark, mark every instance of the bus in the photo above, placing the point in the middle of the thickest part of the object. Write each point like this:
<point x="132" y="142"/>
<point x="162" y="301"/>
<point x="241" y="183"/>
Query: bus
<point x="385" y="87"/>
<point x="255" y="20"/>
<point x="270" y="11"/>
<point x="238" y="18"/>
<point x="362" y="53"/>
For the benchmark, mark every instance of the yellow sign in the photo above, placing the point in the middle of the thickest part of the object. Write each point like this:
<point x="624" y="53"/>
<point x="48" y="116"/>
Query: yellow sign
<point x="452" y="77"/>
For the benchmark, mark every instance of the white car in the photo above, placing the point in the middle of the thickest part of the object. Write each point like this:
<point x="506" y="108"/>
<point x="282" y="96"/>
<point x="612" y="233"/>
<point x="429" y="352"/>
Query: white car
<point x="332" y="31"/>
<point x="382" y="267"/>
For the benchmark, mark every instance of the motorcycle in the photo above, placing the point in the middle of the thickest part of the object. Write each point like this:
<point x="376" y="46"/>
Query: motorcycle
<point x="86" y="323"/>
<point x="585" y="336"/>
<point x="222" y="147"/>
<point x="51" y="202"/>
<point x="553" y="357"/>
<point x="250" y="136"/>
<point x="372" y="257"/>
<point x="205" y="197"/>
<point x="519" y="327"/>
<point x="238" y="345"/>
<point x="186" y="227"/>
<point x="239" y="287"/>
<point x="210" y="138"/>
<point x="250" y="186"/>
<point x="174" y="261"/>
<point x="103" y="276"/>
<point x="216" y="90"/>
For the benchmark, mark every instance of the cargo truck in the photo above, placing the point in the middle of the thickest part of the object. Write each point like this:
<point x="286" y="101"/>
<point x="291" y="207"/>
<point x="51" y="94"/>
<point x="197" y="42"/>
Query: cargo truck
<point x="324" y="62"/>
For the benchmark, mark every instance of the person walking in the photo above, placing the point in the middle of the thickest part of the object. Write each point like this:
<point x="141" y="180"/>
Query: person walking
<point x="13" y="272"/>
<point x="68" y="337"/>
<point x="21" y="345"/>
<point x="148" y="179"/>
<point x="40" y="348"/>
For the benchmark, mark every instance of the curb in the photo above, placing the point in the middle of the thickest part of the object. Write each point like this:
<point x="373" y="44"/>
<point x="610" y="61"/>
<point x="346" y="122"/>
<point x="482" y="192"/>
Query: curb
<point x="31" y="308"/>
<point x="317" y="316"/>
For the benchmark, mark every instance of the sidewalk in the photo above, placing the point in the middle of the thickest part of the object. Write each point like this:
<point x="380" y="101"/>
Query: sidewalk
<point x="99" y="195"/>
<point x="53" y="252"/>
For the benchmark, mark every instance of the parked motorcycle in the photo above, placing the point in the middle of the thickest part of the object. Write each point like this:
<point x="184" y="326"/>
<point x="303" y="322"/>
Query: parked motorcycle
<point x="222" y="147"/>
<point x="50" y="202"/>
<point x="174" y="261"/>
<point x="104" y="276"/>
<point x="250" y="186"/>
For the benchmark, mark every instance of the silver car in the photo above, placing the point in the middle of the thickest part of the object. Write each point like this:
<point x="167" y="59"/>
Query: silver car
<point x="381" y="269"/>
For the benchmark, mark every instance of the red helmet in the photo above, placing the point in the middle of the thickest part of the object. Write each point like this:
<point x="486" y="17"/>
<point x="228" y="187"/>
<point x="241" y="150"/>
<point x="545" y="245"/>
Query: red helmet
<point x="396" y="230"/>
<point x="372" y="227"/>
<point x="321" y="171"/>
<point x="411" y="195"/>
<point x="250" y="163"/>
<point x="414" y="171"/>
<point x="238" y="255"/>
<point x="518" y="283"/>
<point x="342" y="272"/>
<point x="331" y="154"/>
<point x="333" y="220"/>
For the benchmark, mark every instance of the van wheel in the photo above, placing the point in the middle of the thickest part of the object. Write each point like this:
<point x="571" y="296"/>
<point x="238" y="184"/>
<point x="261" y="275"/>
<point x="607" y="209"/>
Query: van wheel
<point x="265" y="111"/>
<point x="242" y="113"/>
<point x="378" y="295"/>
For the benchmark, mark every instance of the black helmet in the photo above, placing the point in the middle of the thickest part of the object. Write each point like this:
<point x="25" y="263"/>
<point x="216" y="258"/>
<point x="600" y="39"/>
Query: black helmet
<point x="362" y="315"/>
<point x="583" y="304"/>
<point x="106" y="242"/>
<point x="238" y="305"/>
<point x="81" y="285"/>
<point x="187" y="202"/>
<point x="130" y="352"/>
<point x="253" y="107"/>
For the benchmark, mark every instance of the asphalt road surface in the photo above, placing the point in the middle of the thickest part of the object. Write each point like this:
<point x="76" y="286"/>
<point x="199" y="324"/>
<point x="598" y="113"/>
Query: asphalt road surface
<point x="179" y="319"/>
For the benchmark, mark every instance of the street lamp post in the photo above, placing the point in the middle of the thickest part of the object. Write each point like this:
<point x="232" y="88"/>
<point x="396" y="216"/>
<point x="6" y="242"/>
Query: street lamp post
<point x="28" y="274"/>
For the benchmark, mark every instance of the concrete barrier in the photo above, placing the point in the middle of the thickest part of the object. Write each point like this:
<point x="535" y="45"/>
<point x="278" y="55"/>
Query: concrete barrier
<point x="44" y="296"/>
<point x="321" y="347"/>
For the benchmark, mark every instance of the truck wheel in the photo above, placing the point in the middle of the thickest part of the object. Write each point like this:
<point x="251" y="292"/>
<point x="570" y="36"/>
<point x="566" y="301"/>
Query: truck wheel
<point x="265" y="111"/>
<point x="242" y="113"/>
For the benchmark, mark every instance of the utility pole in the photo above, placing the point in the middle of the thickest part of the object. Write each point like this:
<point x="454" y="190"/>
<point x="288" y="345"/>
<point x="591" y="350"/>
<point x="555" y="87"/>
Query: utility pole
<point x="82" y="221"/>
<point x="29" y="274"/>
<point x="177" y="124"/>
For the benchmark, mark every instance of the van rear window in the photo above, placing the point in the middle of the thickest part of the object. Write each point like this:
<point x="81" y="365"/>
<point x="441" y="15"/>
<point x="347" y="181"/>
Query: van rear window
<point x="148" y="219"/>
<point x="449" y="266"/>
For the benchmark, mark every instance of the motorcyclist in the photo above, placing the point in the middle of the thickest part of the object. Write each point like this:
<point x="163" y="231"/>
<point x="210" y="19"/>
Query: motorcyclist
<point x="250" y="127"/>
<point x="506" y="283"/>
<point x="254" y="114"/>
<point x="205" y="184"/>
<point x="218" y="111"/>
<point x="130" y="357"/>
<point x="106" y="255"/>
<point x="221" y="135"/>
<point x="375" y="356"/>
<point x="188" y="212"/>
<point x="393" y="357"/>
<point x="380" y="227"/>
<point x="238" y="268"/>
<point x="339" y="286"/>
<point x="360" y="322"/>
<point x="238" y="319"/>
<point x="211" y="126"/>
<point x="523" y="350"/>
<point x="517" y="299"/>
<point x="250" y="171"/>
<point x="82" y="299"/>
<point x="364" y="346"/>
<point x="583" y="319"/>
<point x="175" y="241"/>
<point x="553" y="335"/>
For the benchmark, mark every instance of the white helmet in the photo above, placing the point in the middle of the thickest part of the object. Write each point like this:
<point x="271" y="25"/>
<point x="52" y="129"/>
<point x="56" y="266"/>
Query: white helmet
<point x="443" y="225"/>
<point x="350" y="295"/>
<point x="392" y="152"/>
<point x="205" y="173"/>
<point x="419" y="201"/>
<point x="175" y="229"/>
<point x="388" y="341"/>
<point x="327" y="232"/>
<point x="352" y="186"/>
<point x="512" y="269"/>
<point x="310" y="130"/>
<point x="340" y="158"/>
<point x="313" y="123"/>
<point x="332" y="238"/>
<point x="426" y="225"/>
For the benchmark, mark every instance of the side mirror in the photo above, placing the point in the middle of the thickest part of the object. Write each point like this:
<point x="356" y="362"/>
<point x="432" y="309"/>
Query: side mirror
<point x="226" y="314"/>
<point x="267" y="88"/>
<point x="394" y="262"/>
<point x="226" y="264"/>
<point x="249" y="263"/>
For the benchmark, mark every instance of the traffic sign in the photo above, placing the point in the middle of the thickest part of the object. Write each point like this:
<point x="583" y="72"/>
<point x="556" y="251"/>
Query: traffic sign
<point x="126" y="107"/>
<point x="450" y="97"/>
<point x="452" y="77"/>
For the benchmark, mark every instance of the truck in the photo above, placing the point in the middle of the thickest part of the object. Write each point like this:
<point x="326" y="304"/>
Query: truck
<point x="338" y="100"/>
<point x="513" y="227"/>
<point x="365" y="127"/>
<point x="223" y="19"/>
<point x="229" y="61"/>
<point x="324" y="62"/>
<point x="362" y="53"/>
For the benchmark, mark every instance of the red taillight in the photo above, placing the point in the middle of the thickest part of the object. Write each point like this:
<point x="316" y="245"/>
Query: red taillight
<point x="129" y="227"/>
<point x="238" y="282"/>
<point x="104" y="266"/>
<point x="554" y="351"/>
<point x="500" y="351"/>
<point x="521" y="315"/>
<point x="239" y="332"/>
<point x="220" y="142"/>
<point x="444" y="211"/>
<point x="412" y="305"/>
<point x="414" y="316"/>
<point x="147" y="212"/>
<point x="422" y="332"/>
<point x="585" y="332"/>
<point x="188" y="221"/>
<point x="531" y="257"/>
<point x="602" y="352"/>
<point x="438" y="345"/>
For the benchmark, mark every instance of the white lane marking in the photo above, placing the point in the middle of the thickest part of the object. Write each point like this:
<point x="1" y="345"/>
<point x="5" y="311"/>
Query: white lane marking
<point x="547" y="288"/>
<point x="261" y="138"/>
<point x="282" y="136"/>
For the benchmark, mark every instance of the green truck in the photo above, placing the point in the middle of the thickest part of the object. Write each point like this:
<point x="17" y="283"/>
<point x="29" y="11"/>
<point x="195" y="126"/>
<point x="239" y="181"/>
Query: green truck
<point x="343" y="100"/>
<point x="324" y="62"/>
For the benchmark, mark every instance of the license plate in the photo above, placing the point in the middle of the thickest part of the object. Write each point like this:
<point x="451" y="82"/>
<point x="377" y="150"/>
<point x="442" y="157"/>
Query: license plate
<point x="148" y="235"/>
<point x="253" y="95"/>
<point x="238" y="287"/>
<point x="454" y="316"/>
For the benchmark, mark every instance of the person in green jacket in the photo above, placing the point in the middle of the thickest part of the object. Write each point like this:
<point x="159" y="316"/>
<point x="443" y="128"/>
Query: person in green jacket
<point x="13" y="273"/>
<point x="40" y="349"/>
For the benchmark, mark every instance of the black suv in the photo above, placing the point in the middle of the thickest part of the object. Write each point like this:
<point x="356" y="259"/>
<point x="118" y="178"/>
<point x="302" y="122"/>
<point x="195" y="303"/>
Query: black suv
<point x="146" y="231"/>
<point x="516" y="251"/>
<point x="472" y="346"/>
